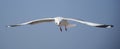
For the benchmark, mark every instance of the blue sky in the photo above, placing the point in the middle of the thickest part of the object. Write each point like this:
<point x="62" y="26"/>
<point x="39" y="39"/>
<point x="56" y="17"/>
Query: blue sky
<point x="48" y="36"/>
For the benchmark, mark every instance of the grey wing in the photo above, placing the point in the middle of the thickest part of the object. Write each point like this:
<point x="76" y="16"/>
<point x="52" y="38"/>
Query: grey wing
<point x="90" y="23"/>
<point x="34" y="22"/>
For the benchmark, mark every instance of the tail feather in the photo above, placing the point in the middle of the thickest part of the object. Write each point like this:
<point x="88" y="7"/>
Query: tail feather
<point x="71" y="25"/>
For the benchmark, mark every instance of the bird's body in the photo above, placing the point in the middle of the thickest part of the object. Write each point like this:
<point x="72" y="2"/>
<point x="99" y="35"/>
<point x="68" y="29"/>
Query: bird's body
<point x="60" y="21"/>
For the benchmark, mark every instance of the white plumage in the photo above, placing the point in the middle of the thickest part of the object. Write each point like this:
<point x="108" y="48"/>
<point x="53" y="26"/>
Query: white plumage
<point x="60" y="21"/>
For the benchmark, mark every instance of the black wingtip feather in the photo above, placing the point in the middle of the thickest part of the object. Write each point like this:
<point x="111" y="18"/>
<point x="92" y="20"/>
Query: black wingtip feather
<point x="13" y="25"/>
<point x="105" y="26"/>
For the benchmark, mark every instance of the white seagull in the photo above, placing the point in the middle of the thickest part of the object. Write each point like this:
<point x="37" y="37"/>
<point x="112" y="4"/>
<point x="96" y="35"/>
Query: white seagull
<point x="61" y="21"/>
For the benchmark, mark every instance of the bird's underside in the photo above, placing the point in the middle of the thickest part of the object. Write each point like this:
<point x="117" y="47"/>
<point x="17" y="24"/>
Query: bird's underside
<point x="60" y="21"/>
<point x="65" y="24"/>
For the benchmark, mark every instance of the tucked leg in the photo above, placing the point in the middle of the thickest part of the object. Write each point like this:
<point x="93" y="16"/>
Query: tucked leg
<point x="65" y="28"/>
<point x="60" y="29"/>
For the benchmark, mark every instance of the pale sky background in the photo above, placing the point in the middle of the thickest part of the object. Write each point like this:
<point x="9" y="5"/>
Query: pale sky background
<point x="48" y="36"/>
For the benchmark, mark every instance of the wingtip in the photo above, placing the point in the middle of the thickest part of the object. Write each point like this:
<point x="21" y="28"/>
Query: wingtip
<point x="13" y="25"/>
<point x="105" y="26"/>
<point x="8" y="26"/>
<point x="109" y="26"/>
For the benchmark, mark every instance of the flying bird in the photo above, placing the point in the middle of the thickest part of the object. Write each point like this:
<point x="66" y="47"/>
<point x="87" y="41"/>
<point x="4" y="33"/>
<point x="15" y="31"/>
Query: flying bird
<point x="61" y="21"/>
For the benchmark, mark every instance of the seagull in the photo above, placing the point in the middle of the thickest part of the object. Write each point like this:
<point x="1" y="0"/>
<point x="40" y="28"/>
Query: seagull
<point x="61" y="21"/>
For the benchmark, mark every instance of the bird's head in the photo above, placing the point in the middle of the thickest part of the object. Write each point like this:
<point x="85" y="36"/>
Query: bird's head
<point x="58" y="20"/>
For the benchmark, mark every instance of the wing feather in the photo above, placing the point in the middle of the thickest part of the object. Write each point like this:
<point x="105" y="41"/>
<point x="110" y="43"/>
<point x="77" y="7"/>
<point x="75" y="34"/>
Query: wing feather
<point x="90" y="23"/>
<point x="40" y="21"/>
<point x="34" y="22"/>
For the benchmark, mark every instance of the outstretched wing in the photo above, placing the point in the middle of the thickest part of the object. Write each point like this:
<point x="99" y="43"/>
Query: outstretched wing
<point x="90" y="23"/>
<point x="34" y="22"/>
